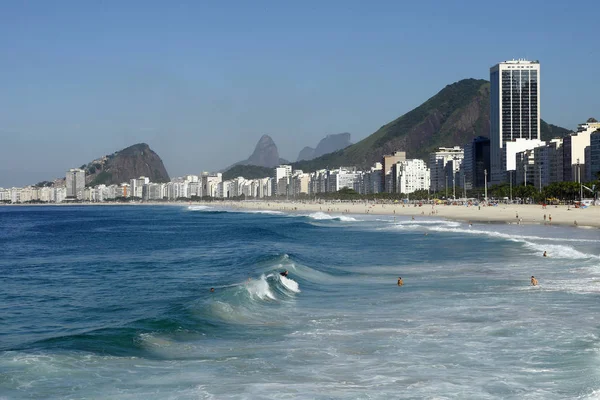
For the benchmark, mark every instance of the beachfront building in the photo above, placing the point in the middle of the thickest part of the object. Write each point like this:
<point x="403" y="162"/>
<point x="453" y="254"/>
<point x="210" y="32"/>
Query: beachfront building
<point x="387" y="162"/>
<point x="514" y="112"/>
<point x="594" y="156"/>
<point x="509" y="155"/>
<point x="318" y="181"/>
<point x="370" y="182"/>
<point x="210" y="184"/>
<point x="75" y="181"/>
<point x="525" y="168"/>
<point x="476" y="162"/>
<point x="264" y="187"/>
<point x="548" y="162"/>
<point x="455" y="176"/>
<point x="342" y="177"/>
<point x="574" y="150"/>
<point x="438" y="160"/>
<point x="137" y="186"/>
<point x="300" y="183"/>
<point x="154" y="191"/>
<point x="411" y="175"/>
<point x="283" y="176"/>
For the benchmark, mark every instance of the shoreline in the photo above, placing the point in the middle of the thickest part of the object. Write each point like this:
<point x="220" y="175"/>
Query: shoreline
<point x="513" y="214"/>
<point x="502" y="213"/>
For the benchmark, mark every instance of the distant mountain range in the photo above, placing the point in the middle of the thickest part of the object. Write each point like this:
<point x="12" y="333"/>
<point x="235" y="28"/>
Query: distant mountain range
<point x="265" y="154"/>
<point x="123" y="165"/>
<point x="454" y="116"/>
<point x="328" y="144"/>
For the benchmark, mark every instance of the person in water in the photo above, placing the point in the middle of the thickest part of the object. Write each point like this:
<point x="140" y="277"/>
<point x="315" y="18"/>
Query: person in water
<point x="534" y="281"/>
<point x="212" y="289"/>
<point x="284" y="273"/>
<point x="400" y="281"/>
<point x="545" y="254"/>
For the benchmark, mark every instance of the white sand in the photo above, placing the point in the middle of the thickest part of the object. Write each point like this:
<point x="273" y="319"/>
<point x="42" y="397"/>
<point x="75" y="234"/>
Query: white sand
<point x="513" y="214"/>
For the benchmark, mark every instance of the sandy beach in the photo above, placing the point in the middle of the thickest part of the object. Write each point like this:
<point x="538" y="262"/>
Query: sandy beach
<point x="503" y="213"/>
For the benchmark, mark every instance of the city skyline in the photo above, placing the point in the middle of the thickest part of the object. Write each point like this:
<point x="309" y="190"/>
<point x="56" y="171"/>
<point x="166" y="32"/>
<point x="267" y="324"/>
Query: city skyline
<point x="98" y="78"/>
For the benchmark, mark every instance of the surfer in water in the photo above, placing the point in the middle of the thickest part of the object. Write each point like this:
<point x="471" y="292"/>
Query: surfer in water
<point x="400" y="281"/>
<point x="534" y="281"/>
<point x="284" y="273"/>
<point x="545" y="254"/>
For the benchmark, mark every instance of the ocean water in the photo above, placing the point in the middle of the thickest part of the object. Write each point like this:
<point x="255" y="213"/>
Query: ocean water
<point x="114" y="303"/>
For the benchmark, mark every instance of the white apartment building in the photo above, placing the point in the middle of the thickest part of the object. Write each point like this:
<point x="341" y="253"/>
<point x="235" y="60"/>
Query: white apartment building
<point x="514" y="110"/>
<point x="342" y="178"/>
<point x="574" y="150"/>
<point x="283" y="176"/>
<point x="318" y="181"/>
<point x="548" y="163"/>
<point x="437" y="166"/>
<point x="210" y="184"/>
<point x="411" y="175"/>
<point x="4" y="195"/>
<point x="137" y="186"/>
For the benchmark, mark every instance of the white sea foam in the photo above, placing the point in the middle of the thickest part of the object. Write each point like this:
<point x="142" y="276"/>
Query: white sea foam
<point x="200" y="208"/>
<point x="558" y="251"/>
<point x="289" y="284"/>
<point x="271" y="212"/>
<point x="259" y="288"/>
<point x="456" y="229"/>
<point x="555" y="251"/>
<point x="320" y="216"/>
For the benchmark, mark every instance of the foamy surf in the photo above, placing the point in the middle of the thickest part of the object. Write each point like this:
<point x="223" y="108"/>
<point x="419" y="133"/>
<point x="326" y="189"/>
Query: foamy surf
<point x="321" y="216"/>
<point x="553" y="250"/>
<point x="289" y="284"/>
<point x="259" y="289"/>
<point x="200" y="208"/>
<point x="267" y="212"/>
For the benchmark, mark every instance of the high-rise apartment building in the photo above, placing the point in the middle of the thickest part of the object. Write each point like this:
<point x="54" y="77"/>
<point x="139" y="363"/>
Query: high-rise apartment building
<point x="514" y="111"/>
<point x="476" y="162"/>
<point x="440" y="179"/>
<point x="387" y="183"/>
<point x="594" y="155"/>
<point x="283" y="176"/>
<point x="574" y="159"/>
<point x="75" y="180"/>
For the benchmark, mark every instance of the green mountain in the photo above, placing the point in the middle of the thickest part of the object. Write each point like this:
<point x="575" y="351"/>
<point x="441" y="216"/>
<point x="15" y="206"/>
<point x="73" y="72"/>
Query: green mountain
<point x="454" y="116"/>
<point x="123" y="165"/>
<point x="248" y="172"/>
<point x="549" y="131"/>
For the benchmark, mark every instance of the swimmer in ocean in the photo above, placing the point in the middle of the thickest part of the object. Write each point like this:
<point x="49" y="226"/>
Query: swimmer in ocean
<point x="545" y="254"/>
<point x="284" y="273"/>
<point x="212" y="289"/>
<point x="534" y="281"/>
<point x="400" y="281"/>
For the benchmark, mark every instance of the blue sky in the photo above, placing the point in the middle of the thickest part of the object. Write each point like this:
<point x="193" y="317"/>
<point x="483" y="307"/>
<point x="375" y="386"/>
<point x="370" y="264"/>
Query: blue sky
<point x="201" y="81"/>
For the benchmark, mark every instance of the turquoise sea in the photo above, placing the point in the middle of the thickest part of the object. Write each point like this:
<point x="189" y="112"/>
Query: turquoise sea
<point x="115" y="303"/>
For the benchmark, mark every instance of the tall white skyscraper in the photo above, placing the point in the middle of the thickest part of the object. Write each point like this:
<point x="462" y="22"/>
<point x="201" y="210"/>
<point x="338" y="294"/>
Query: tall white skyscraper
<point x="514" y="112"/>
<point x="75" y="180"/>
